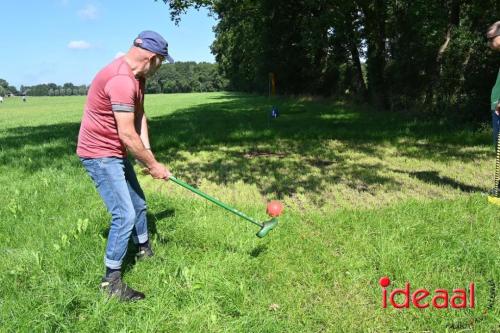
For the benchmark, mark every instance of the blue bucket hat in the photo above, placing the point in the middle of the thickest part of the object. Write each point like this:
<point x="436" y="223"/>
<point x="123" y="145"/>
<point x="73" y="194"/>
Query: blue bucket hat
<point x="154" y="42"/>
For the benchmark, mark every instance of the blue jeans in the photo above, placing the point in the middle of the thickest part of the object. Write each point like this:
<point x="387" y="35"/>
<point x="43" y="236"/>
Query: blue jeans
<point x="116" y="182"/>
<point x="496" y="127"/>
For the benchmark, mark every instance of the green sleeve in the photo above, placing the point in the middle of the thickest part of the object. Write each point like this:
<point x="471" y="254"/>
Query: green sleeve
<point x="495" y="93"/>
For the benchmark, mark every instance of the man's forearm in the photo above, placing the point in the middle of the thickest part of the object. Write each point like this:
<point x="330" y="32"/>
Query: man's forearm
<point x="135" y="145"/>
<point x="144" y="134"/>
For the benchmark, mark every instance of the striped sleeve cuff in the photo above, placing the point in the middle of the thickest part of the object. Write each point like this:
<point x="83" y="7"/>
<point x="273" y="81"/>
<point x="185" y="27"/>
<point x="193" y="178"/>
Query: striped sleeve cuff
<point x="122" y="108"/>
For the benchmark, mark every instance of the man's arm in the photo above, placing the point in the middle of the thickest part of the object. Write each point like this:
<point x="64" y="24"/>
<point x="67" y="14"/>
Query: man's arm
<point x="127" y="132"/>
<point x="141" y="123"/>
<point x="142" y="128"/>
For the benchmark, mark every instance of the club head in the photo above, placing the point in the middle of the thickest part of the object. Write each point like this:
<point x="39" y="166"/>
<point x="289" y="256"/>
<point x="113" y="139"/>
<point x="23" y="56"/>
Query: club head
<point x="266" y="227"/>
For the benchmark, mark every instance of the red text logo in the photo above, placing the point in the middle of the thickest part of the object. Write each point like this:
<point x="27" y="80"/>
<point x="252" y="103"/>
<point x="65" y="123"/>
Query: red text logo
<point x="423" y="298"/>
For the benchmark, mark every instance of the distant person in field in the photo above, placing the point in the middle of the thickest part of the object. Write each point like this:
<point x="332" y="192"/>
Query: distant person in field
<point x="1" y="99"/>
<point x="113" y="123"/>
<point x="24" y="98"/>
<point x="493" y="35"/>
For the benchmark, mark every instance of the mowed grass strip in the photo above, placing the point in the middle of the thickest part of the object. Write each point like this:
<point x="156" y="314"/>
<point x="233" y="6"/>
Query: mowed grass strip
<point x="366" y="194"/>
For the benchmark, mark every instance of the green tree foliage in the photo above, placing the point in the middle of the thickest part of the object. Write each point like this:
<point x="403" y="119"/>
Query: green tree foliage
<point x="52" y="89"/>
<point x="183" y="77"/>
<point x="396" y="54"/>
<point x="4" y="84"/>
<point x="5" y="89"/>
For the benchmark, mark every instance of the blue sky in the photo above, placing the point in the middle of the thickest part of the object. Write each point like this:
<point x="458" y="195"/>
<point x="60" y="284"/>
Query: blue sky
<point x="63" y="41"/>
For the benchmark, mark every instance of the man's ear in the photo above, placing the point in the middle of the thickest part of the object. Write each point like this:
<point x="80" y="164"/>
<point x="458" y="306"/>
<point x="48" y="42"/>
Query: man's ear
<point x="151" y="56"/>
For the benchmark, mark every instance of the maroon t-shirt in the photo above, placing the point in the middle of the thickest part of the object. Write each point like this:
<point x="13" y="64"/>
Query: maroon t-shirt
<point x="114" y="89"/>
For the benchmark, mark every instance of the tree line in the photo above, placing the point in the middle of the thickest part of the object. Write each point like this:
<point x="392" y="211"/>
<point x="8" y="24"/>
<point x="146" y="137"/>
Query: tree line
<point x="395" y="54"/>
<point x="184" y="77"/>
<point x="45" y="89"/>
<point x="6" y="89"/>
<point x="180" y="77"/>
<point x="52" y="89"/>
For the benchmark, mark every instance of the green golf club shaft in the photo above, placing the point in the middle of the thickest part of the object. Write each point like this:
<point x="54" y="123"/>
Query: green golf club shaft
<point x="497" y="165"/>
<point x="215" y="201"/>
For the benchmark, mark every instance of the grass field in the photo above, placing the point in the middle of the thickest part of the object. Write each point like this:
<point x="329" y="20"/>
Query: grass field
<point x="367" y="194"/>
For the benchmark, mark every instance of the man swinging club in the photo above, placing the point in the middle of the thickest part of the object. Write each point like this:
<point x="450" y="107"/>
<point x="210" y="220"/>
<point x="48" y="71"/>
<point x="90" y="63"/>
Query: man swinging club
<point x="114" y="122"/>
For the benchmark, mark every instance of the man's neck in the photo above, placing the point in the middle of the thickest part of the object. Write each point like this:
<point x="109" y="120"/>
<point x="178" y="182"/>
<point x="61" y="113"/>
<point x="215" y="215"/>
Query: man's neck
<point x="134" y="66"/>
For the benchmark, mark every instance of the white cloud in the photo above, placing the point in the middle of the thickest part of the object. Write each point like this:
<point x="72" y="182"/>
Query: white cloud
<point x="119" y="54"/>
<point x="79" y="45"/>
<point x="64" y="2"/>
<point x="89" y="12"/>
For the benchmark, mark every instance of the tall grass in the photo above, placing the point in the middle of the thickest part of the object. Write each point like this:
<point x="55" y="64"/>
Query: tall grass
<point x="367" y="194"/>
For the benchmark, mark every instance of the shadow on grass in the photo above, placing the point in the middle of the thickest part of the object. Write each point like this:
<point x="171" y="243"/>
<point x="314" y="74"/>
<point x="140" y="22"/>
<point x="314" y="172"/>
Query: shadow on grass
<point x="301" y="149"/>
<point x="258" y="250"/>
<point x="433" y="177"/>
<point x="153" y="218"/>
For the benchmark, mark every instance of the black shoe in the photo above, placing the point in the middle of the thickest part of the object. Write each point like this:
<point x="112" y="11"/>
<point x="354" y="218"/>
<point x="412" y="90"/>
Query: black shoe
<point x="115" y="287"/>
<point x="494" y="192"/>
<point x="144" y="253"/>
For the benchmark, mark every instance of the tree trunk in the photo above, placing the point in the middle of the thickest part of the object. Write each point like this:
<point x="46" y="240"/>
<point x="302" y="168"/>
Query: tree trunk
<point x="375" y="17"/>
<point x="453" y="22"/>
<point x="353" y="43"/>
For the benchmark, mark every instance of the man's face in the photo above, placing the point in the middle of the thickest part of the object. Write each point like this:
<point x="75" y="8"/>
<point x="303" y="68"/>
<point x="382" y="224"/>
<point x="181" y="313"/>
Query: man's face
<point x="153" y="65"/>
<point x="494" y="43"/>
<point x="493" y="35"/>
